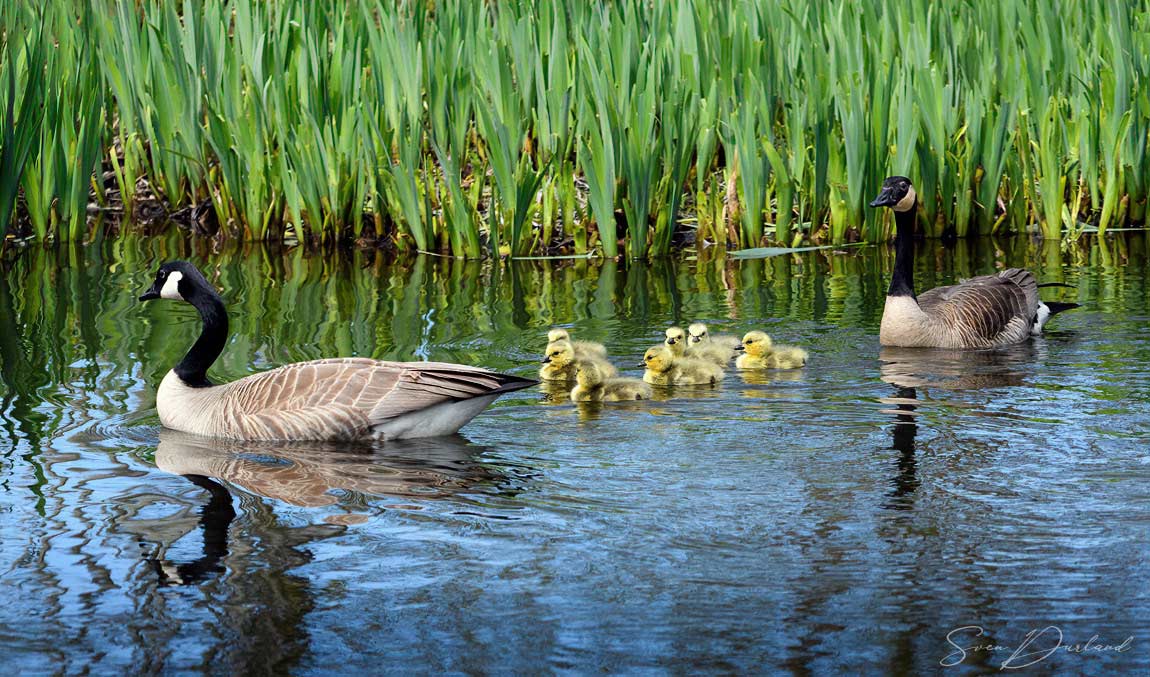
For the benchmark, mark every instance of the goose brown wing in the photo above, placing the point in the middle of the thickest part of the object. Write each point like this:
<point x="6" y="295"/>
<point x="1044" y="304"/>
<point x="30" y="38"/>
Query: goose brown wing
<point x="343" y="398"/>
<point x="986" y="310"/>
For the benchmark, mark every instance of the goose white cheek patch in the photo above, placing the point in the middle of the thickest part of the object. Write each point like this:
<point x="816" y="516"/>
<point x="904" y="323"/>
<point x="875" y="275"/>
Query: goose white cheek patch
<point x="171" y="288"/>
<point x="906" y="202"/>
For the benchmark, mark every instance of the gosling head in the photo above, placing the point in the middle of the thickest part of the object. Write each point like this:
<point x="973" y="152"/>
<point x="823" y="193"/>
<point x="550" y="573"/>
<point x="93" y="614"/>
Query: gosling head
<point x="756" y="343"/>
<point x="588" y="374"/>
<point x="558" y="334"/>
<point x="658" y="359"/>
<point x="179" y="281"/>
<point x="697" y="333"/>
<point x="897" y="193"/>
<point x="676" y="340"/>
<point x="559" y="354"/>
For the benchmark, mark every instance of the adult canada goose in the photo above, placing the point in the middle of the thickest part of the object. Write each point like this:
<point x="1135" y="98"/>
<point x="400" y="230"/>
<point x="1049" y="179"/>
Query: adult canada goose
<point x="982" y="312"/>
<point x="584" y="350"/>
<point x="335" y="399"/>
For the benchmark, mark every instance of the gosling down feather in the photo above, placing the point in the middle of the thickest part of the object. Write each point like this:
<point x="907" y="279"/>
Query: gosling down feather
<point x="759" y="352"/>
<point x="680" y="346"/>
<point x="584" y="350"/>
<point x="595" y="386"/>
<point x="338" y="399"/>
<point x="664" y="369"/>
<point x="982" y="312"/>
<point x="698" y="333"/>
<point x="561" y="361"/>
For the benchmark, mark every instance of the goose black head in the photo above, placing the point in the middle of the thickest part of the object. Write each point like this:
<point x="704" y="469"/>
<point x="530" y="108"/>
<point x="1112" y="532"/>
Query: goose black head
<point x="897" y="193"/>
<point x="177" y="280"/>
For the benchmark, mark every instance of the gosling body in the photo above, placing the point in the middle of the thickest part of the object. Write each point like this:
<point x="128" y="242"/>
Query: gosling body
<point x="760" y="352"/>
<point x="664" y="369"/>
<point x="584" y="350"/>
<point x="593" y="385"/>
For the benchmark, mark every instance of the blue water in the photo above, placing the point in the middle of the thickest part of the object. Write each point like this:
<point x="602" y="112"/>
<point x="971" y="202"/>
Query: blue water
<point x="844" y="518"/>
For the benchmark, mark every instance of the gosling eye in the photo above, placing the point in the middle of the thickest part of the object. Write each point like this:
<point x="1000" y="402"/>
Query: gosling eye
<point x="555" y="354"/>
<point x="749" y="341"/>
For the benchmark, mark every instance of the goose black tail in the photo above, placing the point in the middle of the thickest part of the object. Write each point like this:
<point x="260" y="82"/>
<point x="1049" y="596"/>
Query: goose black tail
<point x="1057" y="307"/>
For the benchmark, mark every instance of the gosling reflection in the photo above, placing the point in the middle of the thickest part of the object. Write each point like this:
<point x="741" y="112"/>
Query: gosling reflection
<point x="317" y="474"/>
<point x="912" y="369"/>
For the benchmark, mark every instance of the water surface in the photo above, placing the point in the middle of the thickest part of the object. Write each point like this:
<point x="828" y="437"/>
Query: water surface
<point x="841" y="518"/>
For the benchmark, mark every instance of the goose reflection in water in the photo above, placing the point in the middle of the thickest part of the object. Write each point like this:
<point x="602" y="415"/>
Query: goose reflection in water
<point x="309" y="475"/>
<point x="912" y="369"/>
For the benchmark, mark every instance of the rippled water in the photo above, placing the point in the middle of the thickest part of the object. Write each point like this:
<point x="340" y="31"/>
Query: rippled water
<point x="843" y="518"/>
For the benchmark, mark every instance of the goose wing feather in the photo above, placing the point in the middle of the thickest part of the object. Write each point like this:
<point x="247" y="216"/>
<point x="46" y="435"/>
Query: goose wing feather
<point x="986" y="310"/>
<point x="343" y="398"/>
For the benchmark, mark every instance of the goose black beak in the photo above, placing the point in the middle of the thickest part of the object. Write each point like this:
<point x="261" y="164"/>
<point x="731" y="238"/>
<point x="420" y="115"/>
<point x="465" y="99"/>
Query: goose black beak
<point x="884" y="199"/>
<point x="152" y="293"/>
<point x="546" y="360"/>
<point x="740" y="348"/>
<point x="672" y="341"/>
<point x="642" y="365"/>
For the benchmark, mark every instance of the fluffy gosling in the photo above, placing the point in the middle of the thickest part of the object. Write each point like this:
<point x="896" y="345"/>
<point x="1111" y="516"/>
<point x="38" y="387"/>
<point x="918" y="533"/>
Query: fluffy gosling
<point x="759" y="352"/>
<point x="698" y="334"/>
<point x="584" y="350"/>
<point x="595" y="386"/>
<point x="664" y="369"/>
<point x="679" y="343"/>
<point x="560" y="362"/>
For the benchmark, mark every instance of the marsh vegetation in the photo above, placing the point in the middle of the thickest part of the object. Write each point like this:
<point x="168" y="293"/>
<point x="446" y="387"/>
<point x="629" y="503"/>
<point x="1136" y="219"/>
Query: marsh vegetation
<point x="524" y="127"/>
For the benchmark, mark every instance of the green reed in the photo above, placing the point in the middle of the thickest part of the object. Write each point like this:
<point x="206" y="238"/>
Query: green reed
<point x="521" y="127"/>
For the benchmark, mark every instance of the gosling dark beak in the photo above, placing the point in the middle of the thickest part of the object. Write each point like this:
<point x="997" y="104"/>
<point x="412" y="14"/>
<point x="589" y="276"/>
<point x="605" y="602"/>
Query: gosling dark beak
<point x="672" y="341"/>
<point x="884" y="199"/>
<point x="642" y="365"/>
<point x="546" y="360"/>
<point x="152" y="293"/>
<point x="740" y="348"/>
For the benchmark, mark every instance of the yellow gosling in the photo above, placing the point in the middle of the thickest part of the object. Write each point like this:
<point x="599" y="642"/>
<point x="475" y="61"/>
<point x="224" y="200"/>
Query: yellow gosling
<point x="584" y="350"/>
<point x="560" y="361"/>
<point x="680" y="344"/>
<point x="759" y="352"/>
<point x="698" y="334"/>
<point x="664" y="369"/>
<point x="595" y="386"/>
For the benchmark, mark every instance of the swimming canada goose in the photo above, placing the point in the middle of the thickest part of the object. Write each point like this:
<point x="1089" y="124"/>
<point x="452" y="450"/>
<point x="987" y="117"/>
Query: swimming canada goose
<point x="343" y="399"/>
<point x="664" y="369"/>
<point x="982" y="312"/>
<point x="759" y="352"/>
<point x="584" y="350"/>
<point x="561" y="360"/>
<point x="679" y="345"/>
<point x="595" y="386"/>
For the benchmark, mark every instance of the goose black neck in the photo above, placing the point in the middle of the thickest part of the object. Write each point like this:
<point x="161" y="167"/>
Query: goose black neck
<point x="193" y="369"/>
<point x="902" y="282"/>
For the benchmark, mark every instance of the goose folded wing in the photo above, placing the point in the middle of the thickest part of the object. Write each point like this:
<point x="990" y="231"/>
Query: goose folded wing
<point x="985" y="308"/>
